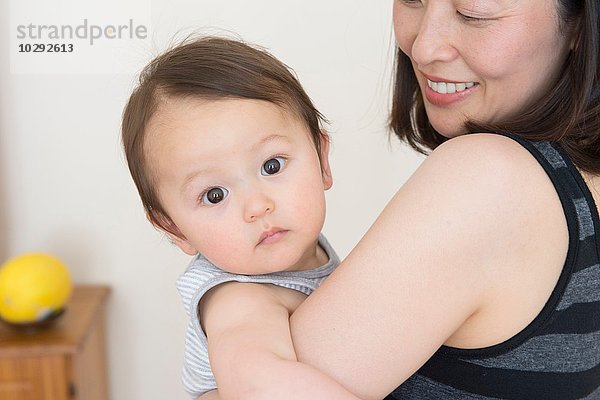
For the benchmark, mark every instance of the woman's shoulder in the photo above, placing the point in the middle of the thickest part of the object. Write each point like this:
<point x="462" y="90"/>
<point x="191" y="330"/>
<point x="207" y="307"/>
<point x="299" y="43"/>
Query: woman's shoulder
<point x="483" y="152"/>
<point x="493" y="168"/>
<point x="484" y="165"/>
<point x="493" y="185"/>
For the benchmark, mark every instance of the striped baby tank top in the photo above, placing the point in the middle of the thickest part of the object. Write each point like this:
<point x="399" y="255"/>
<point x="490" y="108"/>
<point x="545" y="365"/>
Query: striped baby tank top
<point x="202" y="275"/>
<point x="557" y="356"/>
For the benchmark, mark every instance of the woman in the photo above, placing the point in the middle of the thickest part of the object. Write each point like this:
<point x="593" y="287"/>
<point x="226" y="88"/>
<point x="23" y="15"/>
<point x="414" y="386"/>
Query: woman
<point x="481" y="278"/>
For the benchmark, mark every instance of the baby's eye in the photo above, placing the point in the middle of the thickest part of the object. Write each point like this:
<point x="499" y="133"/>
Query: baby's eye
<point x="272" y="166"/>
<point x="214" y="195"/>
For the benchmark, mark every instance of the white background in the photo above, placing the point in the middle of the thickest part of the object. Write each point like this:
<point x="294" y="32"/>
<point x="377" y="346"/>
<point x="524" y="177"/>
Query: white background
<point x="65" y="188"/>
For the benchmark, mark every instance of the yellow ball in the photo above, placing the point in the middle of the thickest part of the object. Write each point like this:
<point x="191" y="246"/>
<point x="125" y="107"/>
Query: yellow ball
<point x="32" y="287"/>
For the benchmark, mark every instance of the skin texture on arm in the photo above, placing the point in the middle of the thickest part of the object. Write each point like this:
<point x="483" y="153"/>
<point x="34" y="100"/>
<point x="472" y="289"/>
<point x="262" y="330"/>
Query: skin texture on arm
<point x="250" y="347"/>
<point x="443" y="264"/>
<point x="212" y="395"/>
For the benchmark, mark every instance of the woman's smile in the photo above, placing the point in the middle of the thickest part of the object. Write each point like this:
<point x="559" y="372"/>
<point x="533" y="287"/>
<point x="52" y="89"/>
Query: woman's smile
<point x="440" y="92"/>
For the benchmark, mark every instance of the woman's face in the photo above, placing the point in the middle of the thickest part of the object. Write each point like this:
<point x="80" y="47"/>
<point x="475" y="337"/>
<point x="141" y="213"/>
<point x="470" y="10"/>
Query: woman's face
<point x="480" y="59"/>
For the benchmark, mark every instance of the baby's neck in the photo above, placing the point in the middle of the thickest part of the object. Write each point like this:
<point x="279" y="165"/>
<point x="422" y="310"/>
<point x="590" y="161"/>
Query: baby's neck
<point x="313" y="260"/>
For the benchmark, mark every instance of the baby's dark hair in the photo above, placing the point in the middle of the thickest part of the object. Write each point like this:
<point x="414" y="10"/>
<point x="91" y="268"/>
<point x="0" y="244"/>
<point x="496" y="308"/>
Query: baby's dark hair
<point x="211" y="68"/>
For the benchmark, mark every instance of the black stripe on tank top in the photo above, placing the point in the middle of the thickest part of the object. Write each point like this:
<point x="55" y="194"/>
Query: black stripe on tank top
<point x="512" y="384"/>
<point x="580" y="318"/>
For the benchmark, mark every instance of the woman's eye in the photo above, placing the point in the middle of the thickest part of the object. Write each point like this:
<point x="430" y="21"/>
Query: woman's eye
<point x="272" y="166"/>
<point x="469" y="18"/>
<point x="214" y="195"/>
<point x="411" y="3"/>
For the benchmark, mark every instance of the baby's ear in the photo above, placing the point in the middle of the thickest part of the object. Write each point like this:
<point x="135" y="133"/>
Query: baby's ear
<point x="325" y="167"/>
<point x="168" y="227"/>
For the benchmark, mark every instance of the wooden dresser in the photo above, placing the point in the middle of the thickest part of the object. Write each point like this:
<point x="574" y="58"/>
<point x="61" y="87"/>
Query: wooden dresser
<point x="64" y="361"/>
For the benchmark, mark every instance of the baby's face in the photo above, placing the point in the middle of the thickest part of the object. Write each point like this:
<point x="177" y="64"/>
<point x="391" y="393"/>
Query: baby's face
<point x="242" y="181"/>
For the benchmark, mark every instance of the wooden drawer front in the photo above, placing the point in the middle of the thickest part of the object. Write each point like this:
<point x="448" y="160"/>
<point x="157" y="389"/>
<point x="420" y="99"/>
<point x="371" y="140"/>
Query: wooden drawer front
<point x="33" y="378"/>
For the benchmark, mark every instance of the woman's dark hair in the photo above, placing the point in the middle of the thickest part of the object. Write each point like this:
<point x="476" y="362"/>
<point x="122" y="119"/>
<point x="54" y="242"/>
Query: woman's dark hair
<point x="211" y="68"/>
<point x="569" y="113"/>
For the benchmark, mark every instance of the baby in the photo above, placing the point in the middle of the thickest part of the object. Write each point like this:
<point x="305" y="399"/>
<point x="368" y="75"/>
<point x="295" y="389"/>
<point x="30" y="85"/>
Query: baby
<point x="230" y="160"/>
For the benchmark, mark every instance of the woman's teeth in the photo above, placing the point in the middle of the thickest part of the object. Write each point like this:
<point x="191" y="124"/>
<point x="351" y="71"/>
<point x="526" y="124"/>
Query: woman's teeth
<point x="447" y="87"/>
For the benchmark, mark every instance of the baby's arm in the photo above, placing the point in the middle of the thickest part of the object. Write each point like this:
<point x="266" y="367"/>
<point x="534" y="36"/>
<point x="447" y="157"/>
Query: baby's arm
<point x="250" y="347"/>
<point x="212" y="395"/>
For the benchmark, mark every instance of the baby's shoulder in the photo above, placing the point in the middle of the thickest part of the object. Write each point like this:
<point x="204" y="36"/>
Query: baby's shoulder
<point x="253" y="296"/>
<point x="199" y="277"/>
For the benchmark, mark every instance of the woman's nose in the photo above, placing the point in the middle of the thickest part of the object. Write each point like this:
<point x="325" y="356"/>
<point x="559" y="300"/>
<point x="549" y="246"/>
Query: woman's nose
<point x="434" y="39"/>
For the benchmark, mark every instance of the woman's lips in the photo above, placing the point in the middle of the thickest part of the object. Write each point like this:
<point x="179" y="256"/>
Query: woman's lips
<point x="443" y="93"/>
<point x="444" y="87"/>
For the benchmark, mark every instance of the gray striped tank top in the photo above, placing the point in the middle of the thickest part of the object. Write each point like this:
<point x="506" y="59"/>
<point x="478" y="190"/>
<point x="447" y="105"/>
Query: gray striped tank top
<point x="200" y="276"/>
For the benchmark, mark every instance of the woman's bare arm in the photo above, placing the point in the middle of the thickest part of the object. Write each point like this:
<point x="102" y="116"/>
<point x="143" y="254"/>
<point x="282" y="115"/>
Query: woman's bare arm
<point x="437" y="259"/>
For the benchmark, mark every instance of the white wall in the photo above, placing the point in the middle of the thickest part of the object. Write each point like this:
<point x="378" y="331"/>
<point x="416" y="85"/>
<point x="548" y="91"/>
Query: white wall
<point x="65" y="189"/>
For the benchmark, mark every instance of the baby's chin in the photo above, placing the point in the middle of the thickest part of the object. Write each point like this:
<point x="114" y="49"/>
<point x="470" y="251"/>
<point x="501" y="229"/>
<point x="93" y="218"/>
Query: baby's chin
<point x="260" y="269"/>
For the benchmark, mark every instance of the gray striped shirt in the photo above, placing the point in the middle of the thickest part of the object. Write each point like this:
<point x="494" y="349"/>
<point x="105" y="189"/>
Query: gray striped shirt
<point x="200" y="276"/>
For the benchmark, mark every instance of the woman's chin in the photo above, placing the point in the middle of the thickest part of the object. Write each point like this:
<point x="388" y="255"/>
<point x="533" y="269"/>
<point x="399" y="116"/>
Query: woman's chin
<point x="449" y="132"/>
